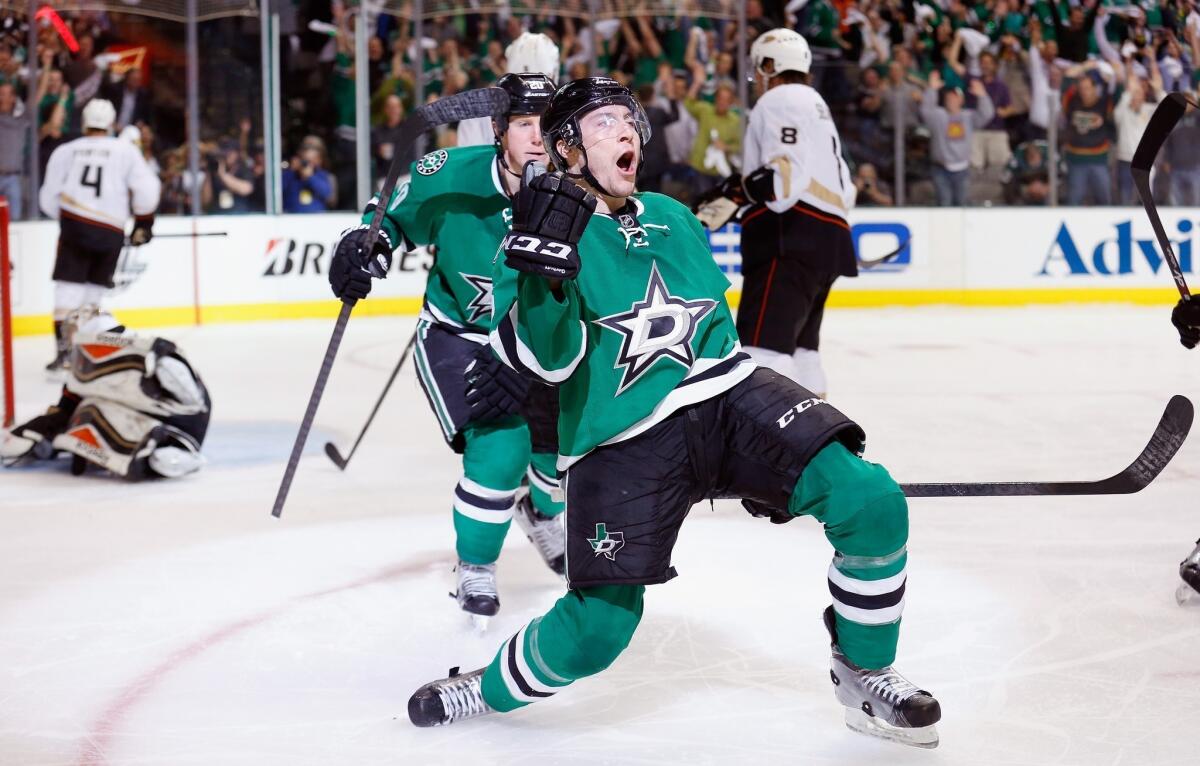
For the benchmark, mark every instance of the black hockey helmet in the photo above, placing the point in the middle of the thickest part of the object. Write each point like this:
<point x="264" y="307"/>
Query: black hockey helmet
<point x="528" y="93"/>
<point x="560" y="122"/>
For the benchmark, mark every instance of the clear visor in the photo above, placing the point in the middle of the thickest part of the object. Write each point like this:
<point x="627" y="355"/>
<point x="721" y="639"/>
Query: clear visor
<point x="612" y="120"/>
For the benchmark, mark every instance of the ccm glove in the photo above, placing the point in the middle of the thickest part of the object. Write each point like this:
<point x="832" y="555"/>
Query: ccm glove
<point x="494" y="390"/>
<point x="1186" y="318"/>
<point x="142" y="233"/>
<point x="549" y="215"/>
<point x="353" y="266"/>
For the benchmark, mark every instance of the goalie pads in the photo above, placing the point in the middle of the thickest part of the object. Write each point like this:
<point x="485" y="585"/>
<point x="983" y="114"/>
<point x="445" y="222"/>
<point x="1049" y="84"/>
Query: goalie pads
<point x="129" y="443"/>
<point x="145" y="373"/>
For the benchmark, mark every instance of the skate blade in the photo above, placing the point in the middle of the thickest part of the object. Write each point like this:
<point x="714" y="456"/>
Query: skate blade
<point x="479" y="623"/>
<point x="925" y="736"/>
<point x="1185" y="595"/>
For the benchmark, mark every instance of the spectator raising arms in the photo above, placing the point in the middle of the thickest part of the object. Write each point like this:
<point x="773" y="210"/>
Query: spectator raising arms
<point x="1087" y="140"/>
<point x="951" y="128"/>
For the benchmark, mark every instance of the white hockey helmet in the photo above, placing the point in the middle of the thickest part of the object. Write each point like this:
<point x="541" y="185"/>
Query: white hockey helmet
<point x="99" y="114"/>
<point x="787" y="48"/>
<point x="132" y="134"/>
<point x="533" y="53"/>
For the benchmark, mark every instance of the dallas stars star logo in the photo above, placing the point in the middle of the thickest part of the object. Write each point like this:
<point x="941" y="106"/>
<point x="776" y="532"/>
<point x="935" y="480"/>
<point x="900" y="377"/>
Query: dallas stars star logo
<point x="481" y="305"/>
<point x="607" y="543"/>
<point x="658" y="326"/>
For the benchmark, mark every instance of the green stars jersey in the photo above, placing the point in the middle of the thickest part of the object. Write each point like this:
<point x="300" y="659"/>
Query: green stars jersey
<point x="642" y="331"/>
<point x="456" y="201"/>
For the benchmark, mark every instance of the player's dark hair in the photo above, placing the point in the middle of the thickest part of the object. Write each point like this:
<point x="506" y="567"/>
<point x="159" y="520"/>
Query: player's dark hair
<point x="789" y="76"/>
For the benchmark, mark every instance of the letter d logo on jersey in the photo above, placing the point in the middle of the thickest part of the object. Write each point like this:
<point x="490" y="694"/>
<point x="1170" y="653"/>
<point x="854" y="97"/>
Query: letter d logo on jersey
<point x="607" y="543"/>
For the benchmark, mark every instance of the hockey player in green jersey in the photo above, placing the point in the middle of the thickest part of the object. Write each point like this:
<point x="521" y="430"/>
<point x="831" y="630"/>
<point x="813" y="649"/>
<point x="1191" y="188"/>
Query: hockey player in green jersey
<point x="624" y="310"/>
<point x="459" y="200"/>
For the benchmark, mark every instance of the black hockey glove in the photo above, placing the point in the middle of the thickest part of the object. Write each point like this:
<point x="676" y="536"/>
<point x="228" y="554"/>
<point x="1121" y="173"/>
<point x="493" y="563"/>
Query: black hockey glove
<point x="35" y="438"/>
<point x="352" y="267"/>
<point x="764" y="511"/>
<point x="494" y="390"/>
<point x="549" y="215"/>
<point x="759" y="186"/>
<point x="1186" y="318"/>
<point x="142" y="233"/>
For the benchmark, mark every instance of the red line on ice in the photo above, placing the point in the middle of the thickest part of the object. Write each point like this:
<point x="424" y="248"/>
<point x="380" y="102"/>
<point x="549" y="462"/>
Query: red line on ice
<point x="97" y="741"/>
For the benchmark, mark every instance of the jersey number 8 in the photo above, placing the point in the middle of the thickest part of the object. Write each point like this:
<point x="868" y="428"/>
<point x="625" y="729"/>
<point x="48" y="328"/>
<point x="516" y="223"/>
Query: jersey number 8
<point x="787" y="135"/>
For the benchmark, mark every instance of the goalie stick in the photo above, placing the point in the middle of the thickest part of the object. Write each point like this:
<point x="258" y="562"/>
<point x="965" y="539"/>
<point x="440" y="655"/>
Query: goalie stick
<point x="1168" y="113"/>
<point x="331" y="450"/>
<point x="471" y="104"/>
<point x="1166" y="440"/>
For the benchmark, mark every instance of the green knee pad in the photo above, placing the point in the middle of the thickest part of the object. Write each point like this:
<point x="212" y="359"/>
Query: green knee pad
<point x="581" y="635"/>
<point x="496" y="453"/>
<point x="862" y="507"/>
<point x="545" y="463"/>
<point x="494" y="457"/>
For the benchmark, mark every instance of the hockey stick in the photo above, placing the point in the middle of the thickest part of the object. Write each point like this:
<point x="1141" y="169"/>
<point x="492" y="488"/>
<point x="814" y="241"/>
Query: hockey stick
<point x="884" y="258"/>
<point x="1166" y="440"/>
<point x="483" y="102"/>
<point x="186" y="236"/>
<point x="1168" y="113"/>
<point x="331" y="450"/>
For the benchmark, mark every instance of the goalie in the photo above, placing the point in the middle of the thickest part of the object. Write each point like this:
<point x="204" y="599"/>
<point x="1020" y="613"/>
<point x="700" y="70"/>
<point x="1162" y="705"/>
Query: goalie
<point x="131" y="405"/>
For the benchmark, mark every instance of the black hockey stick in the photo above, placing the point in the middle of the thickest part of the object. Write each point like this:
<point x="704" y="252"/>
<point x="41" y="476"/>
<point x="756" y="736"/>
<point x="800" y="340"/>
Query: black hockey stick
<point x="1164" y="443"/>
<point x="331" y="450"/>
<point x="1168" y="113"/>
<point x="883" y="258"/>
<point x="483" y="102"/>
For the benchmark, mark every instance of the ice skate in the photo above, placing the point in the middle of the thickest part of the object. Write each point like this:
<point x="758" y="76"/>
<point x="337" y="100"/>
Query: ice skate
<point x="456" y="698"/>
<point x="476" y="593"/>
<point x="1188" y="591"/>
<point x="545" y="532"/>
<point x="56" y="370"/>
<point x="882" y="703"/>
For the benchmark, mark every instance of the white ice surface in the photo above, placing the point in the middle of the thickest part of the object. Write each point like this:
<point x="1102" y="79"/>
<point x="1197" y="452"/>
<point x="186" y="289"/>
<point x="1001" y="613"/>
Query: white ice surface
<point x="178" y="623"/>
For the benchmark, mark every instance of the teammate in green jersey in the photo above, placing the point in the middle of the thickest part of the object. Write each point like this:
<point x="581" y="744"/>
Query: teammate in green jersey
<point x="458" y="200"/>
<point x="624" y="309"/>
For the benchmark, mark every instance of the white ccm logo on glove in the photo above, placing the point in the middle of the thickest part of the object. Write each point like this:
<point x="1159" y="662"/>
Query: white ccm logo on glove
<point x="535" y="245"/>
<point x="791" y="414"/>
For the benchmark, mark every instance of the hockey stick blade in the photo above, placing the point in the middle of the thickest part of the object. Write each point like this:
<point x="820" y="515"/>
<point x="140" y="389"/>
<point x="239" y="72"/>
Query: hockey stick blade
<point x="335" y="456"/>
<point x="483" y="102"/>
<point x="1168" y="113"/>
<point x="867" y="264"/>
<point x="332" y="451"/>
<point x="1166" y="440"/>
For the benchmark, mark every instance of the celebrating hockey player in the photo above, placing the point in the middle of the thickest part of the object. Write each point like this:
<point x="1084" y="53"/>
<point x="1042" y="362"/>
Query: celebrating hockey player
<point x="795" y="237"/>
<point x="624" y="310"/>
<point x="131" y="405"/>
<point x="459" y="200"/>
<point x="90" y="185"/>
<point x="1186" y="318"/>
<point x="531" y="53"/>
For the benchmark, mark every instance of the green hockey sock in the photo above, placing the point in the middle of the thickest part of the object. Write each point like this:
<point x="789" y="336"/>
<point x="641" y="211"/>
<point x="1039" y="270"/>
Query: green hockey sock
<point x="544" y="488"/>
<point x="866" y="520"/>
<point x="581" y="635"/>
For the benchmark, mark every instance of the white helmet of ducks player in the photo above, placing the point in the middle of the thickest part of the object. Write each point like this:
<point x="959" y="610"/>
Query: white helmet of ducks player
<point x="787" y="48"/>
<point x="132" y="134"/>
<point x="99" y="114"/>
<point x="533" y="53"/>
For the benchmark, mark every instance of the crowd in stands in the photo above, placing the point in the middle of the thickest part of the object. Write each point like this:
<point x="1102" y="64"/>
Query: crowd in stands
<point x="968" y="96"/>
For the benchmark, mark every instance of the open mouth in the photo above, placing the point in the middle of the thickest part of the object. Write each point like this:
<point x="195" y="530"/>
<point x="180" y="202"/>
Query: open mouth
<point x="627" y="162"/>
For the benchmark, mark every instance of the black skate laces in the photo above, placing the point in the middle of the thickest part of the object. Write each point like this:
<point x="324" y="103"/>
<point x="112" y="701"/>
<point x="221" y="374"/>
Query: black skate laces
<point x="476" y="580"/>
<point x="888" y="684"/>
<point x="462" y="697"/>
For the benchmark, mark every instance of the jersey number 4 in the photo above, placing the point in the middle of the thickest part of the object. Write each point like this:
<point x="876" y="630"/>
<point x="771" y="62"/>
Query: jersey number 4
<point x="86" y="180"/>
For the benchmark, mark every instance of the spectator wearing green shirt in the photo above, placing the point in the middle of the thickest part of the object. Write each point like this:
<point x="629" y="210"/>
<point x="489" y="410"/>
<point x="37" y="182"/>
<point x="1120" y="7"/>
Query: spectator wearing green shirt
<point x="718" y="130"/>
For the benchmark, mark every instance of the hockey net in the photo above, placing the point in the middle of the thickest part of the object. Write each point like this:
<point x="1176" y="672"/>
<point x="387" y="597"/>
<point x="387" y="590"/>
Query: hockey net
<point x="6" y="369"/>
